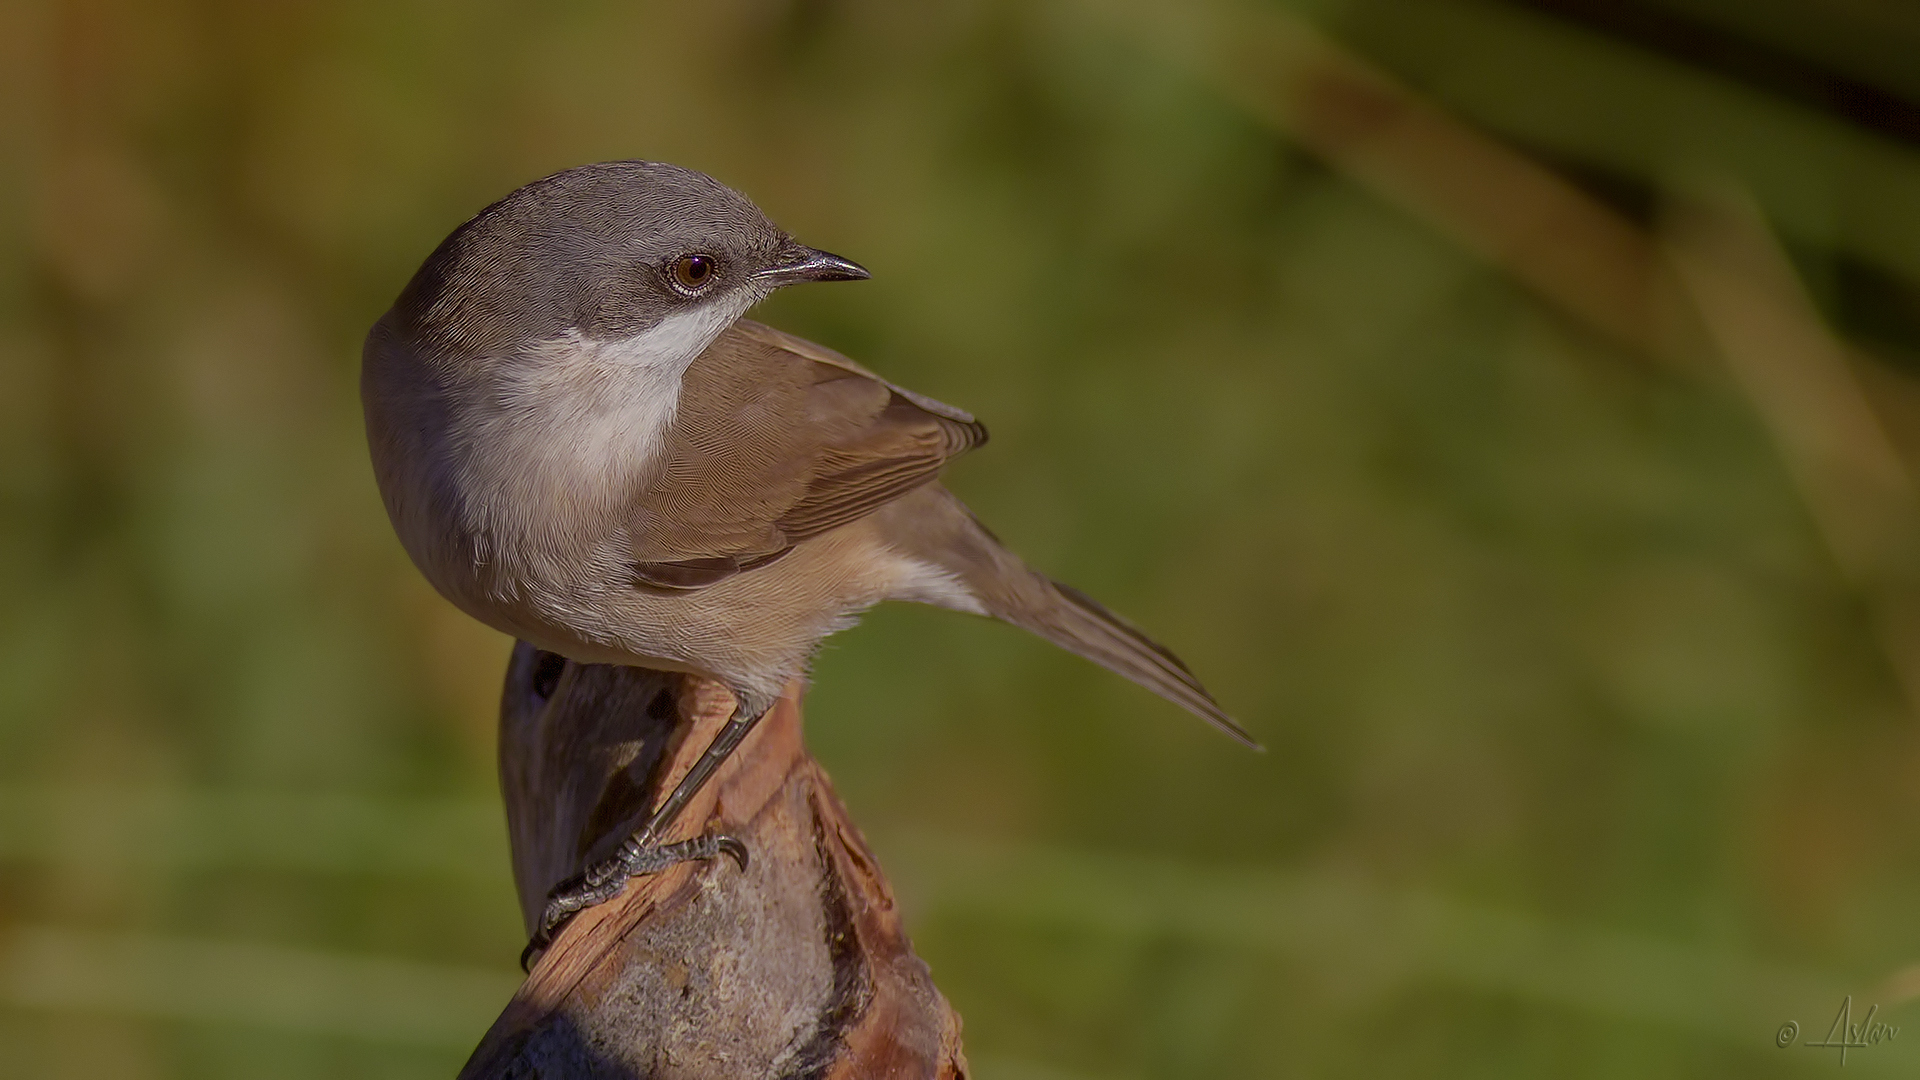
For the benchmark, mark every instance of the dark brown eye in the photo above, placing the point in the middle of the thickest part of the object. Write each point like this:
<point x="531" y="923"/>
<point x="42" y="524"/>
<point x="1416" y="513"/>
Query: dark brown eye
<point x="693" y="272"/>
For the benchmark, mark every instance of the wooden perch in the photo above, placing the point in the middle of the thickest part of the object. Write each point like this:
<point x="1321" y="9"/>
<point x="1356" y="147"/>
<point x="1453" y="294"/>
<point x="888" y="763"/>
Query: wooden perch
<point x="796" y="967"/>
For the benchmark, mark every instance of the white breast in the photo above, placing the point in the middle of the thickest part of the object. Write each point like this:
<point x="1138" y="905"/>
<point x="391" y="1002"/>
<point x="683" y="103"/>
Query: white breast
<point x="572" y="425"/>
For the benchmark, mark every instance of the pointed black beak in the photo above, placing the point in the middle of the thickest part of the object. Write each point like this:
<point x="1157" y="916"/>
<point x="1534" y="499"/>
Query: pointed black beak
<point x="797" y="262"/>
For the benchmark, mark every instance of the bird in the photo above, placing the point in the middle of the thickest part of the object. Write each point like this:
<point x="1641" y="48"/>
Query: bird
<point x="582" y="442"/>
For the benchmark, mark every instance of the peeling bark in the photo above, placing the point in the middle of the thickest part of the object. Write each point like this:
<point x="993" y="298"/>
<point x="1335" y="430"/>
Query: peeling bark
<point x="796" y="968"/>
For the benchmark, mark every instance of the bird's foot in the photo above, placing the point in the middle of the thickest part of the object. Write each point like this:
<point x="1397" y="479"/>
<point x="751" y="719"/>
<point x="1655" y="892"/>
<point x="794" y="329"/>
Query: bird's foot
<point x="604" y="880"/>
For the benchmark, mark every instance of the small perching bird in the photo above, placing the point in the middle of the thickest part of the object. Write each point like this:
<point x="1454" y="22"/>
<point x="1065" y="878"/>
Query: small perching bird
<point x="582" y="443"/>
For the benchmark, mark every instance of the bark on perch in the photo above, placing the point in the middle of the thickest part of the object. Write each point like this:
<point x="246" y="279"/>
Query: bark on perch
<point x="797" y="967"/>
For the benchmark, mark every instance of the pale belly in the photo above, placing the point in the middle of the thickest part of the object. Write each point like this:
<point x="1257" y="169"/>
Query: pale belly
<point x="754" y="631"/>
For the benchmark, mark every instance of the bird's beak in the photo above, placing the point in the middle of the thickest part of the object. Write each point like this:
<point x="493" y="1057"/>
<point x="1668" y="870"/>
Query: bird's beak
<point x="798" y="262"/>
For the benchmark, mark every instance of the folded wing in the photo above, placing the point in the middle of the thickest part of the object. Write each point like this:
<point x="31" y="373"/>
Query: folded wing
<point x="778" y="440"/>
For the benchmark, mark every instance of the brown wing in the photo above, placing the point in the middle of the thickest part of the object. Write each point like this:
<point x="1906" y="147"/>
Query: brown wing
<point x="777" y="440"/>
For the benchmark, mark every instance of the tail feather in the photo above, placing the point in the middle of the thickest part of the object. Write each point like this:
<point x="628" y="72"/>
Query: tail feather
<point x="1082" y="625"/>
<point x="932" y="525"/>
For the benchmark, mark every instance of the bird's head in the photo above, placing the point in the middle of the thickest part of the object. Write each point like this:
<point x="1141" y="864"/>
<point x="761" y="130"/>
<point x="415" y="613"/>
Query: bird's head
<point x="608" y="252"/>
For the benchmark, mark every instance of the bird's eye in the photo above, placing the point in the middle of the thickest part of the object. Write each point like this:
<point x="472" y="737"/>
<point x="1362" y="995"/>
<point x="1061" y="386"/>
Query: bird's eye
<point x="694" y="272"/>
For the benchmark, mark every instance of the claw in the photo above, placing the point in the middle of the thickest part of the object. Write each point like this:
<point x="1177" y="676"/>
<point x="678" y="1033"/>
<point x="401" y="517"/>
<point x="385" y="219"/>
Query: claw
<point x="603" y="881"/>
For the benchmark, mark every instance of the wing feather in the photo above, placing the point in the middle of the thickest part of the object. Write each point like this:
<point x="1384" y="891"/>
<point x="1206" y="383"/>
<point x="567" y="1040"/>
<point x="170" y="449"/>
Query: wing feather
<point x="779" y="440"/>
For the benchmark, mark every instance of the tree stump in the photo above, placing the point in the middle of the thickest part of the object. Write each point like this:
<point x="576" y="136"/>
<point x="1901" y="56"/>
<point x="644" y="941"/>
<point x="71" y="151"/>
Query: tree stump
<point x="796" y="967"/>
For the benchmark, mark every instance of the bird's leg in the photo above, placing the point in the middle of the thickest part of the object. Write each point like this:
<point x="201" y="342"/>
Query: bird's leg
<point x="642" y="853"/>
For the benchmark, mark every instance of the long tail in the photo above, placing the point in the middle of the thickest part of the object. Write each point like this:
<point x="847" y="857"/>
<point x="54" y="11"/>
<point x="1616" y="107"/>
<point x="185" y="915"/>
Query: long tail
<point x="933" y="525"/>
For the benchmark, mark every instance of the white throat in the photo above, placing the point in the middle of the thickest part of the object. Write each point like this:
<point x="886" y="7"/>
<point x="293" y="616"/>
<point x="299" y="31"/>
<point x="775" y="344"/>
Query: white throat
<point x="576" y="422"/>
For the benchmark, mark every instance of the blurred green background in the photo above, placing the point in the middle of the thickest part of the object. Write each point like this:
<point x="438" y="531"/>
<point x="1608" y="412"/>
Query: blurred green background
<point x="1594" y="739"/>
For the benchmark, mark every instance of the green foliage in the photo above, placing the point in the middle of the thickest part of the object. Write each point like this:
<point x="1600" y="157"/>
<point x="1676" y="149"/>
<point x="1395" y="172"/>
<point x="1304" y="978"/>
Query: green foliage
<point x="1584" y="758"/>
